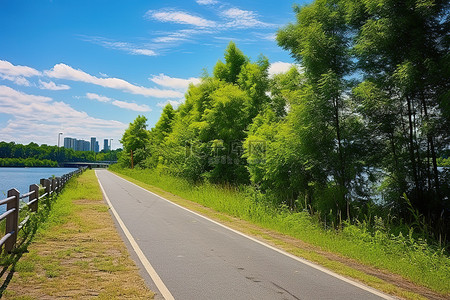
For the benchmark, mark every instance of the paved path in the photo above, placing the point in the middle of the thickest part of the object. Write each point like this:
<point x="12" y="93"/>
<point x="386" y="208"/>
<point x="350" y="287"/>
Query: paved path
<point x="192" y="257"/>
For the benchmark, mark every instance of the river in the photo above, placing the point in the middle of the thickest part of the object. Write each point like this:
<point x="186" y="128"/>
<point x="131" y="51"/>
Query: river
<point x="22" y="178"/>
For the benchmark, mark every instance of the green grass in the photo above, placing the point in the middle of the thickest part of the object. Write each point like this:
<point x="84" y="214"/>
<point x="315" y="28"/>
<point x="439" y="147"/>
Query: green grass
<point x="413" y="259"/>
<point x="77" y="251"/>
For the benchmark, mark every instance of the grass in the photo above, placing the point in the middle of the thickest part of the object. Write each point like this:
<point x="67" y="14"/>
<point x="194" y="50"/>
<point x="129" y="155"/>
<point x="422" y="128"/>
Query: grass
<point x="77" y="252"/>
<point x="403" y="255"/>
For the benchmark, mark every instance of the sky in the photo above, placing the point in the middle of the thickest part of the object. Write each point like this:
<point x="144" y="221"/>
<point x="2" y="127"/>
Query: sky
<point x="88" y="68"/>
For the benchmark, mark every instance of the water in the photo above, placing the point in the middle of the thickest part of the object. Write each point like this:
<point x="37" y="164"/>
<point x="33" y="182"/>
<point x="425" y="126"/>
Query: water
<point x="22" y="178"/>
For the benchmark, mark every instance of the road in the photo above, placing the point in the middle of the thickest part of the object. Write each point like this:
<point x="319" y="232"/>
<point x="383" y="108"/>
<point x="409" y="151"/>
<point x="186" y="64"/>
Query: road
<point x="191" y="257"/>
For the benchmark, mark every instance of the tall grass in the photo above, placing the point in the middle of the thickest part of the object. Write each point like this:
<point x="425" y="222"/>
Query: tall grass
<point x="402" y="254"/>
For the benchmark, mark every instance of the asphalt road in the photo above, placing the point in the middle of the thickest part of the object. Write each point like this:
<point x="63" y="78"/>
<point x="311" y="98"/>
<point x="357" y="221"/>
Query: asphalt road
<point x="191" y="257"/>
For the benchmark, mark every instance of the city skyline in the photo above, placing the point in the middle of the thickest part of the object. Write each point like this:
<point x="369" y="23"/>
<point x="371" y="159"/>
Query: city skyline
<point x="85" y="145"/>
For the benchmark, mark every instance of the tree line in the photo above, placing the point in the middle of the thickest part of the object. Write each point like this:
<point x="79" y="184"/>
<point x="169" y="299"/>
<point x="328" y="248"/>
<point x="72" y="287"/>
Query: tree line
<point x="357" y="128"/>
<point x="34" y="155"/>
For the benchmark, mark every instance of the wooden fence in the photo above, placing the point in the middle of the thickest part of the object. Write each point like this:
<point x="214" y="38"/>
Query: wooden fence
<point x="51" y="187"/>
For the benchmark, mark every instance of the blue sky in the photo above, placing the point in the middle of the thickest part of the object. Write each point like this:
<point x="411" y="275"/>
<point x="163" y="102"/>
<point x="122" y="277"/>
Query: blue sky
<point x="88" y="68"/>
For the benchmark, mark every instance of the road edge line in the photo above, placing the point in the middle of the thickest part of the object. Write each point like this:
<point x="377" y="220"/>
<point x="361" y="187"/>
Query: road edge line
<point x="299" y="259"/>
<point x="147" y="265"/>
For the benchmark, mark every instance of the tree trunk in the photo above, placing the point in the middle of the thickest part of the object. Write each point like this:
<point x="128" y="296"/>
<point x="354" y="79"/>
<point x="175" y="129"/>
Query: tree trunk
<point x="433" y="151"/>
<point x="341" y="156"/>
<point x="132" y="166"/>
<point x="411" y="149"/>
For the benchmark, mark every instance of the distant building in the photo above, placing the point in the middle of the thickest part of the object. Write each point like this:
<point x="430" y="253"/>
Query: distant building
<point x="105" y="145"/>
<point x="97" y="147"/>
<point x="93" y="141"/>
<point x="68" y="143"/>
<point x="77" y="145"/>
<point x="86" y="146"/>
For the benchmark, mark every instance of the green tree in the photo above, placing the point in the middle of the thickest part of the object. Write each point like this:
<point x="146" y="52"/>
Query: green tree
<point x="135" y="138"/>
<point x="319" y="40"/>
<point x="402" y="48"/>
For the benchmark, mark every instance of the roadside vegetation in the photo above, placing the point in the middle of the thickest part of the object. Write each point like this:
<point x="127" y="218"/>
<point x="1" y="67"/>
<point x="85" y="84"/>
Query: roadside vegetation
<point x="347" y="150"/>
<point x="77" y="252"/>
<point x="412" y="258"/>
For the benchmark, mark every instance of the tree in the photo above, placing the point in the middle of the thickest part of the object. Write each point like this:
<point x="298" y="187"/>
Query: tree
<point x="135" y="137"/>
<point x="402" y="49"/>
<point x="320" y="42"/>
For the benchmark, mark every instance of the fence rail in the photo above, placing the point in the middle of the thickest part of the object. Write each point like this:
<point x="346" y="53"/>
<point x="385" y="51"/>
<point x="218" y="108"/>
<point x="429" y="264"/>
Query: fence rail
<point x="51" y="186"/>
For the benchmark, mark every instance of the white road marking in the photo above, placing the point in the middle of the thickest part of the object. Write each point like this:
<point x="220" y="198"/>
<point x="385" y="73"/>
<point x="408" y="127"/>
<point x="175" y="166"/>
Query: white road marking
<point x="148" y="267"/>
<point x="304" y="261"/>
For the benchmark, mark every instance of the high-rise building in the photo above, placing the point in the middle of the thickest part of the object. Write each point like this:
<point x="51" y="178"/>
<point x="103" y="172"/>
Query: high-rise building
<point x="93" y="141"/>
<point x="68" y="142"/>
<point x="86" y="146"/>
<point x="97" y="147"/>
<point x="105" y="145"/>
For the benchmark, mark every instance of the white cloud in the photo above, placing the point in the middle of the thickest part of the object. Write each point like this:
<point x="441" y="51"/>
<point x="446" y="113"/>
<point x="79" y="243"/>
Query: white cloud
<point x="52" y="86"/>
<point x="179" y="17"/>
<point x="39" y="119"/>
<point x="174" y="103"/>
<point x="176" y="83"/>
<point x="206" y="2"/>
<point x="7" y="68"/>
<point x="100" y="98"/>
<point x="17" y="74"/>
<point x="147" y="52"/>
<point x="118" y="103"/>
<point x="63" y="71"/>
<point x="130" y="48"/>
<point x="131" y="106"/>
<point x="239" y="18"/>
<point x="19" y="80"/>
<point x="280" y="67"/>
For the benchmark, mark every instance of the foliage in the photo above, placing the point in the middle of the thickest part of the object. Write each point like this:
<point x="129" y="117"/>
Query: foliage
<point x="135" y="139"/>
<point x="33" y="155"/>
<point x="363" y="121"/>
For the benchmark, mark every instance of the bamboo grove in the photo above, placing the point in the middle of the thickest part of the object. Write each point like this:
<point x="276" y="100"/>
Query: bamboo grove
<point x="358" y="127"/>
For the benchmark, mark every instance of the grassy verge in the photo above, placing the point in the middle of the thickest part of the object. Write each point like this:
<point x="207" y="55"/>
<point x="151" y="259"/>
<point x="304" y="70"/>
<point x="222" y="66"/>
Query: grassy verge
<point x="353" y="251"/>
<point x="77" y="252"/>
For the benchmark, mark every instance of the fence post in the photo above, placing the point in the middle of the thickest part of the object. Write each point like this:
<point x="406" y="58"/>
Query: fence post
<point x="12" y="221"/>
<point x="47" y="186"/>
<point x="35" y="188"/>
<point x="53" y="186"/>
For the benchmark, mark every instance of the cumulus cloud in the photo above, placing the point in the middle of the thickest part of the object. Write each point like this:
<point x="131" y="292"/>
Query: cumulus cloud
<point x="52" y="86"/>
<point x="118" y="103"/>
<point x="97" y="97"/>
<point x="28" y="112"/>
<point x="7" y="68"/>
<point x="63" y="71"/>
<point x="179" y="17"/>
<point x="280" y="67"/>
<point x="171" y="82"/>
<point x="17" y="74"/>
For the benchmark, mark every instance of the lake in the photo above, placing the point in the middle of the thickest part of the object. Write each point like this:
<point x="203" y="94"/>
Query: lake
<point x="22" y="178"/>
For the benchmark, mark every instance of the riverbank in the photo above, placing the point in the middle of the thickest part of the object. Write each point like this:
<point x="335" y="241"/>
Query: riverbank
<point x="77" y="252"/>
<point x="397" y="265"/>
